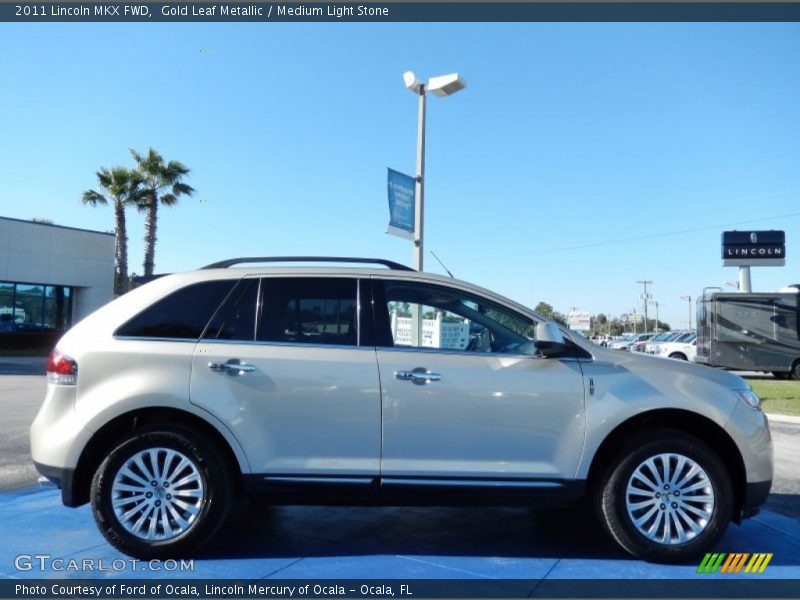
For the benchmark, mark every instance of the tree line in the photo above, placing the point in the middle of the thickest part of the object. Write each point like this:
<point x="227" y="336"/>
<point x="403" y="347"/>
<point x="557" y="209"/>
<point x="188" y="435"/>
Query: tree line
<point x="151" y="183"/>
<point x="603" y="324"/>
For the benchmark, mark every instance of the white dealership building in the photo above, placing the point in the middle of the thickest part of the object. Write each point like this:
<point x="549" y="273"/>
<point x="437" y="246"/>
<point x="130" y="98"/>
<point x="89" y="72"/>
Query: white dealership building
<point x="52" y="276"/>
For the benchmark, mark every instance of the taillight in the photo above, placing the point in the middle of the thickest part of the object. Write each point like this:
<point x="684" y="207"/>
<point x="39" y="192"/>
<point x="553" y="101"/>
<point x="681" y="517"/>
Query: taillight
<point x="61" y="369"/>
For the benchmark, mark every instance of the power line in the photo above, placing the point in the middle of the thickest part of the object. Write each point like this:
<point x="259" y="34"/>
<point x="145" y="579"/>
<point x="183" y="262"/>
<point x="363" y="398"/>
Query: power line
<point x="632" y="239"/>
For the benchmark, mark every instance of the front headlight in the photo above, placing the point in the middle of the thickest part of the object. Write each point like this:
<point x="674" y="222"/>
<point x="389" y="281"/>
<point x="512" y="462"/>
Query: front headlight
<point x="749" y="397"/>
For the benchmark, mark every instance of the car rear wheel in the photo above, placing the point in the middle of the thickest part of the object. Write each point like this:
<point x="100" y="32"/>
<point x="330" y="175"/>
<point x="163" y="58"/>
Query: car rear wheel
<point x="678" y="355"/>
<point x="667" y="497"/>
<point x="161" y="493"/>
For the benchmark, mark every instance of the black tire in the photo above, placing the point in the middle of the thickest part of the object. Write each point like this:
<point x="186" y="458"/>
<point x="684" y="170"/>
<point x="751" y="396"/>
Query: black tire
<point x="212" y="507"/>
<point x="678" y="355"/>
<point x="781" y="374"/>
<point x="610" y="496"/>
<point x="795" y="372"/>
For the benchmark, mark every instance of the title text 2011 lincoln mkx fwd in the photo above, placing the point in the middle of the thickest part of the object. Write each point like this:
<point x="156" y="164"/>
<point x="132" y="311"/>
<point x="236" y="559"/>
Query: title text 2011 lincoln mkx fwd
<point x="374" y="385"/>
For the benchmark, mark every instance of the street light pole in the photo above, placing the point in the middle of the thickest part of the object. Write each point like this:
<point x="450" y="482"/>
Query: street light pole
<point x="443" y="85"/>
<point x="419" y="212"/>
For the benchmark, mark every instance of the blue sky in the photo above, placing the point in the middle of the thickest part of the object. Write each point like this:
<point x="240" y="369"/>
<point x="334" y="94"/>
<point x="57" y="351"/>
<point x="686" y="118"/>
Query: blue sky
<point x="551" y="177"/>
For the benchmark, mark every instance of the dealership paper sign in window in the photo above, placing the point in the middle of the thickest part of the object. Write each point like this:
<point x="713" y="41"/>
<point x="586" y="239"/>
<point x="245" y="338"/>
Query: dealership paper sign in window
<point x="401" y="204"/>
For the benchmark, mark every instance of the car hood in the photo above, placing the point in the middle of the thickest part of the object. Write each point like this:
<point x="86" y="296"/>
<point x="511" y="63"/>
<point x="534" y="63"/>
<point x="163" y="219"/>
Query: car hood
<point x="644" y="364"/>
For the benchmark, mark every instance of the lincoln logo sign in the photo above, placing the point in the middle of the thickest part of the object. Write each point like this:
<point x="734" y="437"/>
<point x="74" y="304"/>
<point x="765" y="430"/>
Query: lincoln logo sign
<point x="760" y="248"/>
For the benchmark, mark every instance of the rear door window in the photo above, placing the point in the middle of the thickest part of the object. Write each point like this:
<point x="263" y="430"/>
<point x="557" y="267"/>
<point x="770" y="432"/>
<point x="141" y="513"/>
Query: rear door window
<point x="309" y="310"/>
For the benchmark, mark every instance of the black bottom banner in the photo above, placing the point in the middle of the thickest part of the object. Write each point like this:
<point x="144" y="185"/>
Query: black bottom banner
<point x="394" y="588"/>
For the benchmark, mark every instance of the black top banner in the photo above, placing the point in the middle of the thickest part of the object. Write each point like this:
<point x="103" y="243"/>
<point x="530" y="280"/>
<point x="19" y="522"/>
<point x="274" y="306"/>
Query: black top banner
<point x="390" y="12"/>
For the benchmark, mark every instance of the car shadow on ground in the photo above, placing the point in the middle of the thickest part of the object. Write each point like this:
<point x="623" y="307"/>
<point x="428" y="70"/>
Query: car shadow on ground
<point x="787" y="505"/>
<point x="523" y="532"/>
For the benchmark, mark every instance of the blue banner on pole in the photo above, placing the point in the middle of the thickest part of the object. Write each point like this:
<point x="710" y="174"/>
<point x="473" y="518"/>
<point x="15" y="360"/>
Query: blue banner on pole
<point x="402" y="197"/>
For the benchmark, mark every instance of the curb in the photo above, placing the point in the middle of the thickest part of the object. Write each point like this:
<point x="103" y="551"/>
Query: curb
<point x="778" y="418"/>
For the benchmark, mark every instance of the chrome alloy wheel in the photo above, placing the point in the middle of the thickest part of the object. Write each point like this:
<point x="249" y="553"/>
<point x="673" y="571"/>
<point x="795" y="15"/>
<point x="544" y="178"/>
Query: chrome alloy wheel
<point x="670" y="499"/>
<point x="157" y="494"/>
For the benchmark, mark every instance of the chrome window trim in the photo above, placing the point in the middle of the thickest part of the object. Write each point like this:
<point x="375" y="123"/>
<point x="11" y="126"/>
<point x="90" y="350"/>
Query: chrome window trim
<point x="140" y="338"/>
<point x="289" y="344"/>
<point x="463" y="353"/>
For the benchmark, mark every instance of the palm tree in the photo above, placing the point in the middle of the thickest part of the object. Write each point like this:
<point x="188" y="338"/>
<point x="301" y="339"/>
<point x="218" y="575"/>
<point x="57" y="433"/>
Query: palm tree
<point x="122" y="188"/>
<point x="162" y="184"/>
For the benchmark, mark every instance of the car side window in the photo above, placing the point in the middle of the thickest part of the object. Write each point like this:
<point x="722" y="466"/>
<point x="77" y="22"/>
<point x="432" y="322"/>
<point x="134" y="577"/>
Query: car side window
<point x="429" y="316"/>
<point x="236" y="318"/>
<point x="309" y="310"/>
<point x="183" y="314"/>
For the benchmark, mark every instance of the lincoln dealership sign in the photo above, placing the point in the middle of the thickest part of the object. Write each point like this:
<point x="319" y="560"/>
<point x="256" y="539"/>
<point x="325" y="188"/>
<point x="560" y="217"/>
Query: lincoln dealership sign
<point x="757" y="248"/>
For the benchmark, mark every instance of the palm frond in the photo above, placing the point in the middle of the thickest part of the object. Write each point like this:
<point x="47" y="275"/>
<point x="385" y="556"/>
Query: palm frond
<point x="93" y="198"/>
<point x="182" y="189"/>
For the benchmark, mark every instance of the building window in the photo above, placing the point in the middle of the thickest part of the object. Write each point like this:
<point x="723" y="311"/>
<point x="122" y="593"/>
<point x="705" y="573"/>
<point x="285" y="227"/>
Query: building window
<point x="34" y="307"/>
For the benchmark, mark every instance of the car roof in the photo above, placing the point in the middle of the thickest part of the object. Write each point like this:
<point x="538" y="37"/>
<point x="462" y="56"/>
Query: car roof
<point x="206" y="274"/>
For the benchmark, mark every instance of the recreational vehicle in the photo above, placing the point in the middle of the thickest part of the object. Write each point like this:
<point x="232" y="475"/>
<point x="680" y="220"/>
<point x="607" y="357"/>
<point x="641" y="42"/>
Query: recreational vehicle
<point x="750" y="331"/>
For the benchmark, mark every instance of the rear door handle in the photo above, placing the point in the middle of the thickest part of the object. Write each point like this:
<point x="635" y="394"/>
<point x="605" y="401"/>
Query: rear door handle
<point x="233" y="367"/>
<point x="418" y="376"/>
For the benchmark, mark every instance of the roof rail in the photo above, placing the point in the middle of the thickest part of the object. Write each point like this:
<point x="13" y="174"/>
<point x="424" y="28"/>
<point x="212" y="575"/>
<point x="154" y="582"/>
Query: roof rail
<point x="224" y="264"/>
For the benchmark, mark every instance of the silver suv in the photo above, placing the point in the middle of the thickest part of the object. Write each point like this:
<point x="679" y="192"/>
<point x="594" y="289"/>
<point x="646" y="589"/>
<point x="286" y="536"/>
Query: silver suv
<point x="320" y="385"/>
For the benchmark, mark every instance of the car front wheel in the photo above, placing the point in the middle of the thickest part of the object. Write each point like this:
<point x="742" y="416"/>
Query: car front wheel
<point x="795" y="372"/>
<point x="161" y="493"/>
<point x="666" y="498"/>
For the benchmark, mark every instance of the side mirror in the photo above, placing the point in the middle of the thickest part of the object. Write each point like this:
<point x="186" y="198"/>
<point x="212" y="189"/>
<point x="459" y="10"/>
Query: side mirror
<point x="549" y="340"/>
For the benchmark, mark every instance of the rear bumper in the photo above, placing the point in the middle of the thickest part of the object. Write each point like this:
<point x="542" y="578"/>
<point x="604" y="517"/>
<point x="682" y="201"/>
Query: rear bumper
<point x="64" y="479"/>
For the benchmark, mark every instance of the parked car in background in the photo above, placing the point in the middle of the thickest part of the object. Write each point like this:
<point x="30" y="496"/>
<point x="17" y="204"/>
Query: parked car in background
<point x="623" y="342"/>
<point x="670" y="336"/>
<point x="650" y="345"/>
<point x="679" y="350"/>
<point x="602" y="340"/>
<point x="620" y="341"/>
<point x="639" y="342"/>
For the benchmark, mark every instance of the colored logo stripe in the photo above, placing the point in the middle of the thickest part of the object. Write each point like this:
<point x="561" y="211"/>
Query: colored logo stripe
<point x="733" y="563"/>
<point x="758" y="563"/>
<point x="711" y="563"/>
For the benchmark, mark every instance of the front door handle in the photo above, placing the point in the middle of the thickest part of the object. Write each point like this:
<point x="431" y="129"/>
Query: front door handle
<point x="233" y="367"/>
<point x="418" y="376"/>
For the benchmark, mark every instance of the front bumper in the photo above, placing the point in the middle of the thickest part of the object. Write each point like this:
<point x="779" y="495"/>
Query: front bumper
<point x="755" y="495"/>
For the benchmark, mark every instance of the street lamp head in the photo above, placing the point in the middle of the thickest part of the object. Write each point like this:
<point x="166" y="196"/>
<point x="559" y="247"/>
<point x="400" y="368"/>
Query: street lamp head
<point x="446" y="85"/>
<point x="412" y="82"/>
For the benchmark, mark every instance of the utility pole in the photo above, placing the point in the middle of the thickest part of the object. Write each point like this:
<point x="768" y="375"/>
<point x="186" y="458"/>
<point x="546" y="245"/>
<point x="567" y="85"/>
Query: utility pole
<point x="689" y="300"/>
<point x="645" y="297"/>
<point x="657" y="304"/>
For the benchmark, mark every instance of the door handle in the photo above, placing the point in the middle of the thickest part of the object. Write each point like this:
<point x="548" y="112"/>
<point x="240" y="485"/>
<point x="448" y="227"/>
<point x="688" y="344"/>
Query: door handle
<point x="418" y="376"/>
<point x="233" y="367"/>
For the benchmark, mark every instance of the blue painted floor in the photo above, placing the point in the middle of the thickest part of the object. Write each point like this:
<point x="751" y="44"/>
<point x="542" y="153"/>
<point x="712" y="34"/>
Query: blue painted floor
<point x="382" y="543"/>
